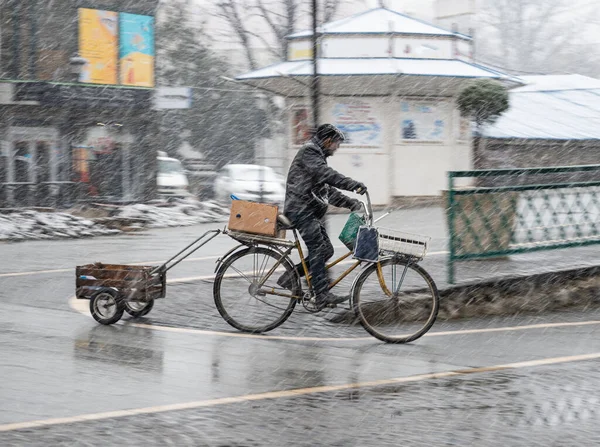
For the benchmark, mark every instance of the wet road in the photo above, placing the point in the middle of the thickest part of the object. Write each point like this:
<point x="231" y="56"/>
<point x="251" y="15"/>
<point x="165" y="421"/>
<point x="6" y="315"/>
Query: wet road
<point x="183" y="377"/>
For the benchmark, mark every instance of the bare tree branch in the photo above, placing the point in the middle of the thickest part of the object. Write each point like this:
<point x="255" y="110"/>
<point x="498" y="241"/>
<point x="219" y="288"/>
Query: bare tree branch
<point x="231" y="12"/>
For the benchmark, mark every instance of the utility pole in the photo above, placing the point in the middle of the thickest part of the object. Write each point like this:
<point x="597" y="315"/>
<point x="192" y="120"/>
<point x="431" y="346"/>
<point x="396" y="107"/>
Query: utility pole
<point x="315" y="78"/>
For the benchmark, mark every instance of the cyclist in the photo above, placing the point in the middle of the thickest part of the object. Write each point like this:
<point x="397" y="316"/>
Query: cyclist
<point x="311" y="187"/>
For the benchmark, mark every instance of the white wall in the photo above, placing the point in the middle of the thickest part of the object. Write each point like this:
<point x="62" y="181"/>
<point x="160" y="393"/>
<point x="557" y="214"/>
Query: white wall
<point x="393" y="166"/>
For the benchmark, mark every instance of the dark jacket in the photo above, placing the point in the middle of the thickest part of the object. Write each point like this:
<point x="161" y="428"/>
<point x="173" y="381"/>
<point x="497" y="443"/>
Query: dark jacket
<point x="311" y="184"/>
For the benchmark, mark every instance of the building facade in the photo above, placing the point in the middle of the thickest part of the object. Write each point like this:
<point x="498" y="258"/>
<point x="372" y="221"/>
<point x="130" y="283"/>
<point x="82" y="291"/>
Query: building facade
<point x="76" y="85"/>
<point x="390" y="82"/>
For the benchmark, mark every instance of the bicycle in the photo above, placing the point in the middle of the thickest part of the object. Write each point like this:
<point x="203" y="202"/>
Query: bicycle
<point x="394" y="299"/>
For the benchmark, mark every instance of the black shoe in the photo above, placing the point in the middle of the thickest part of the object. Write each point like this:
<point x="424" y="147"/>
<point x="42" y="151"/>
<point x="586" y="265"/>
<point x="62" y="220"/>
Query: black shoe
<point x="330" y="299"/>
<point x="286" y="280"/>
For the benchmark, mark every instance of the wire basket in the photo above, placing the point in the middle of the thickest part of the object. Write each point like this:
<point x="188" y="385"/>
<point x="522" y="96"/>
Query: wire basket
<point x="393" y="241"/>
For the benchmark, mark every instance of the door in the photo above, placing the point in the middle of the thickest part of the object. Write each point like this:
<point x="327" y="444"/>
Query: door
<point x="42" y="162"/>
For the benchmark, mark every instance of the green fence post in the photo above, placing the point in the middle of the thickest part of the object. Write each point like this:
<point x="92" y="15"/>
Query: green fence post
<point x="450" y="213"/>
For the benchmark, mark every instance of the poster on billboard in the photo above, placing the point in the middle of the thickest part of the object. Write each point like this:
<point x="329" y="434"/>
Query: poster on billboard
<point x="136" y="50"/>
<point x="98" y="44"/>
<point x="422" y="121"/>
<point x="359" y="123"/>
<point x="301" y="125"/>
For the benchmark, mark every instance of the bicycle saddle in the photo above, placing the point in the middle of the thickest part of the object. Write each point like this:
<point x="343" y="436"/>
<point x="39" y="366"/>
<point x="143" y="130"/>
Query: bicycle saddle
<point x="284" y="222"/>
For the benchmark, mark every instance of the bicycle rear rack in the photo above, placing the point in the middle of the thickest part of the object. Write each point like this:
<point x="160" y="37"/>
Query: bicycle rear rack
<point x="252" y="239"/>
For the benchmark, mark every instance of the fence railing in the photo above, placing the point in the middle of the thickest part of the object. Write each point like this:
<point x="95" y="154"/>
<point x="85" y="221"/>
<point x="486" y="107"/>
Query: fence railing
<point x="511" y="211"/>
<point x="45" y="194"/>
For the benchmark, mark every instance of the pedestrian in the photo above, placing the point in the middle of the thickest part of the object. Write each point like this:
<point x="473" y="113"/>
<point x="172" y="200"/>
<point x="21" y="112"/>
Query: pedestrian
<point x="311" y="186"/>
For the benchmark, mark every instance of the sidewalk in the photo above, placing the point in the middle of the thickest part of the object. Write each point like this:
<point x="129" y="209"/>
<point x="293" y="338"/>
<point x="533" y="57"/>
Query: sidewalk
<point x="529" y="282"/>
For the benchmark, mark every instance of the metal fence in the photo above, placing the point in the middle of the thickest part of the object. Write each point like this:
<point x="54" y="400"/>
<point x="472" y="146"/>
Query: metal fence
<point x="45" y="194"/>
<point x="511" y="211"/>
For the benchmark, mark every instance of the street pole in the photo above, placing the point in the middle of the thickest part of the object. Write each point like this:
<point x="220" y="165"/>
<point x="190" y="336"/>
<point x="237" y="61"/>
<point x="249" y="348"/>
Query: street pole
<point x="261" y="101"/>
<point x="315" y="78"/>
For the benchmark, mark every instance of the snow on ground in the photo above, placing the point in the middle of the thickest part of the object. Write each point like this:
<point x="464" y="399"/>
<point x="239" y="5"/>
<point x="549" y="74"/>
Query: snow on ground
<point x="29" y="224"/>
<point x="180" y="213"/>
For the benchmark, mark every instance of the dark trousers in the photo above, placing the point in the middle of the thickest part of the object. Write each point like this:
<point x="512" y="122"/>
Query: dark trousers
<point x="320" y="249"/>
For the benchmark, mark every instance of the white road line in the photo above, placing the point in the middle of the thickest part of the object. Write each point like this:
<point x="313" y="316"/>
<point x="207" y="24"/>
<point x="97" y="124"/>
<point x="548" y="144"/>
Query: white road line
<point x="281" y="394"/>
<point x="82" y="307"/>
<point x="205" y="258"/>
<point x="183" y="330"/>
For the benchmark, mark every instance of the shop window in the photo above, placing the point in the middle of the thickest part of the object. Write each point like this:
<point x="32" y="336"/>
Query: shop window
<point x="3" y="168"/>
<point x="22" y="161"/>
<point x="42" y="162"/>
<point x="106" y="172"/>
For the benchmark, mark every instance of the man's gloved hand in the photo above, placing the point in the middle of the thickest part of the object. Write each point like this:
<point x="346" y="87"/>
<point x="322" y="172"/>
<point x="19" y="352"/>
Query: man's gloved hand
<point x="356" y="206"/>
<point x="359" y="188"/>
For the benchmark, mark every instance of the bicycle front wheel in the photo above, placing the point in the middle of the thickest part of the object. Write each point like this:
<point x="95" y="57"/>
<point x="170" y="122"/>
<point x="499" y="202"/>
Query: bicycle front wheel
<point x="243" y="302"/>
<point x="395" y="300"/>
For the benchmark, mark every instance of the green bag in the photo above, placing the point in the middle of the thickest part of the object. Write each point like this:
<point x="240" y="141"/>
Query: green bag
<point x="350" y="230"/>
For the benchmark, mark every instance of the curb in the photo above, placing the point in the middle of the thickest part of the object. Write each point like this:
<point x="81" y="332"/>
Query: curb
<point x="516" y="295"/>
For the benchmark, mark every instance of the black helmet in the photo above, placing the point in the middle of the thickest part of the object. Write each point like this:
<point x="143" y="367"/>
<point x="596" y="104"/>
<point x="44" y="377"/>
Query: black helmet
<point x="325" y="131"/>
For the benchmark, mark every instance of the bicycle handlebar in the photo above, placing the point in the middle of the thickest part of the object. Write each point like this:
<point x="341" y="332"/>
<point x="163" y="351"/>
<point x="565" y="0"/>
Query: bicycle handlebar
<point x="368" y="208"/>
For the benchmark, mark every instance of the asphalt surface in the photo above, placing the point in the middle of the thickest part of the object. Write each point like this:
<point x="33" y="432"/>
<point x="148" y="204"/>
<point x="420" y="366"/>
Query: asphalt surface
<point x="182" y="376"/>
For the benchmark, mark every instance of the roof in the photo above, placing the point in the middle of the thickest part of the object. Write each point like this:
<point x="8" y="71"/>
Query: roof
<point x="379" y="21"/>
<point x="549" y="83"/>
<point x="551" y="107"/>
<point x="376" y="66"/>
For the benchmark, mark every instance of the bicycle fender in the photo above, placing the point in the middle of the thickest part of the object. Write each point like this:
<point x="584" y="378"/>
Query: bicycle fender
<point x="362" y="271"/>
<point x="220" y="261"/>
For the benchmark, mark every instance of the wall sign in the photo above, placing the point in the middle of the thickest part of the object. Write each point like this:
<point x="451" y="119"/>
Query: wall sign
<point x="422" y="121"/>
<point x="358" y="122"/>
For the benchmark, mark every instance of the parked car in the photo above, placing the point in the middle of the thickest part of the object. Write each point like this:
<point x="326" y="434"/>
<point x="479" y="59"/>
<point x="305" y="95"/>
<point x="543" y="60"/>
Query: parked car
<point x="247" y="182"/>
<point x="171" y="178"/>
<point x="201" y="176"/>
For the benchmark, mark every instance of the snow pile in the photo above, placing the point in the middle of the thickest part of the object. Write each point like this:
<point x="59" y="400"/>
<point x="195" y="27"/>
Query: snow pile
<point x="29" y="224"/>
<point x="175" y="214"/>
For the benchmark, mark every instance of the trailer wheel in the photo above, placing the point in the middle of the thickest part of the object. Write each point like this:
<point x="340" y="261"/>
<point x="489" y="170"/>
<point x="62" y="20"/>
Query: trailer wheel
<point x="105" y="307"/>
<point x="138" y="308"/>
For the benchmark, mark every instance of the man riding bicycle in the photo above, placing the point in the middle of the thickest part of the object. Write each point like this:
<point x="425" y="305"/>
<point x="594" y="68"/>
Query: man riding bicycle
<point x="311" y="187"/>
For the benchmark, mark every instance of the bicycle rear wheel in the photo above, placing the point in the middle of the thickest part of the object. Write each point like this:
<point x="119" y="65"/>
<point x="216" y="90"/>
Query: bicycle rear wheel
<point x="240" y="300"/>
<point x="395" y="300"/>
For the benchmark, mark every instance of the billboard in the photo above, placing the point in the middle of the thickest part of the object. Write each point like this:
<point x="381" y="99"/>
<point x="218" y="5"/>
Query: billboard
<point x="98" y="43"/>
<point x="136" y="50"/>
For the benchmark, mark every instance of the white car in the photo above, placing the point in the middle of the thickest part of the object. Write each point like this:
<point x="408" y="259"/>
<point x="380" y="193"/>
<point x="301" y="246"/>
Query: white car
<point x="250" y="182"/>
<point x="171" y="179"/>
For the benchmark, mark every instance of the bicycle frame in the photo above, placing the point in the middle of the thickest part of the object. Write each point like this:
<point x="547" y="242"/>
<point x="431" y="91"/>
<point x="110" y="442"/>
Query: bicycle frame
<point x="247" y="240"/>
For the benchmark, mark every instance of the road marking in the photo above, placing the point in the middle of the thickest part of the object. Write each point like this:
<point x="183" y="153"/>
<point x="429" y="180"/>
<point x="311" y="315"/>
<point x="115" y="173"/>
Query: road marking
<point x="204" y="258"/>
<point x="40" y="272"/>
<point x="82" y="307"/>
<point x="36" y="272"/>
<point x="293" y="338"/>
<point x="281" y="394"/>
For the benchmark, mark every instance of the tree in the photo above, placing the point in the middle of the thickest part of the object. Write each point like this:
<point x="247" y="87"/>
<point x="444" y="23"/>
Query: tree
<point x="223" y="123"/>
<point x="537" y="36"/>
<point x="482" y="102"/>
<point x="266" y="23"/>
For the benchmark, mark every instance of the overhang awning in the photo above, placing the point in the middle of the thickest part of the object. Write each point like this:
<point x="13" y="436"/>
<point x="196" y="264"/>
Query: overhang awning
<point x="374" y="76"/>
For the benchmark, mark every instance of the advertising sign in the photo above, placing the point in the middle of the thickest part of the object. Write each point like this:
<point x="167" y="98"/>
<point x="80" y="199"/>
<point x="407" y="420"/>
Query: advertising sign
<point x="98" y="44"/>
<point x="301" y="125"/>
<point x="359" y="124"/>
<point x="172" y="98"/>
<point x="422" y="121"/>
<point x="136" y="50"/>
